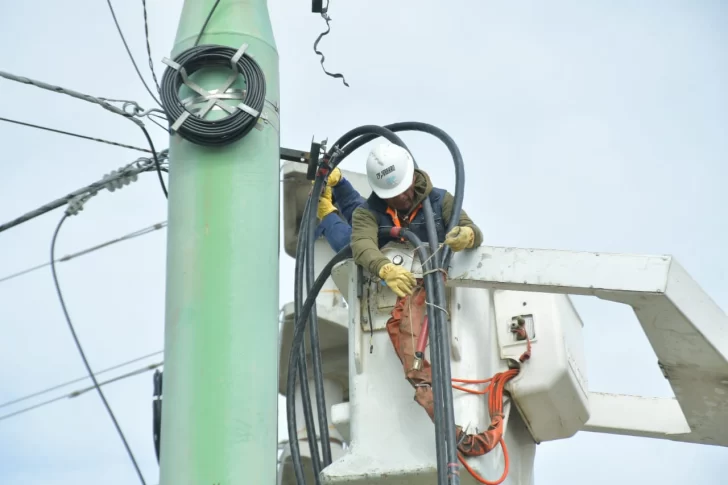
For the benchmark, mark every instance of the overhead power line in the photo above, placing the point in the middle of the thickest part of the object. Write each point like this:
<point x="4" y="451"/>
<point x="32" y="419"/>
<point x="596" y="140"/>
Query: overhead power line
<point x="106" y="104"/>
<point x="76" y="393"/>
<point x="126" y="237"/>
<point x="110" y="181"/>
<point x="82" y="353"/>
<point x="100" y="140"/>
<point x="149" y="47"/>
<point x="80" y="379"/>
<point x="131" y="56"/>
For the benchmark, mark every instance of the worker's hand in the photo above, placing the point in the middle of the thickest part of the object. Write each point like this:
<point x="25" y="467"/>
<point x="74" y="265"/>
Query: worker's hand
<point x="398" y="279"/>
<point x="334" y="178"/>
<point x="459" y="238"/>
<point x="326" y="205"/>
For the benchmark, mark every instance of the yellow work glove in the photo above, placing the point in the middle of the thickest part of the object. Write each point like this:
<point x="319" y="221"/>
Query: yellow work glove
<point x="334" y="178"/>
<point x="459" y="238"/>
<point x="325" y="206"/>
<point x="398" y="279"/>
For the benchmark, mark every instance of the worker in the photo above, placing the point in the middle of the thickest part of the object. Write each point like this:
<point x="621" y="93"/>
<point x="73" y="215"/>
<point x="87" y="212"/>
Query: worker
<point x="335" y="209"/>
<point x="398" y="190"/>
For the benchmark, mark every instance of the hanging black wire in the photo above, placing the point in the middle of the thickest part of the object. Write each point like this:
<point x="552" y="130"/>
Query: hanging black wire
<point x="83" y="354"/>
<point x="325" y="16"/>
<point x="207" y="21"/>
<point x="128" y="51"/>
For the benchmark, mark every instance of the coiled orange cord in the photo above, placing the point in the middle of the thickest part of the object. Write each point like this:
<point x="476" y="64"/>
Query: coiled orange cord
<point x="495" y="388"/>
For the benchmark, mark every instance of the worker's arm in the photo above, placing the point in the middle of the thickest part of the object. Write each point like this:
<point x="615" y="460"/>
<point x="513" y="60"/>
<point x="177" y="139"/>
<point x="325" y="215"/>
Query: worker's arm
<point x="365" y="241"/>
<point x="336" y="231"/>
<point x="347" y="198"/>
<point x="464" y="221"/>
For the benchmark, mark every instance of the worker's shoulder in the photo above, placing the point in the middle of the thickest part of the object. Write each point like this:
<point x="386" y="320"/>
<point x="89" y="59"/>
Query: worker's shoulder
<point x="441" y="194"/>
<point x="362" y="213"/>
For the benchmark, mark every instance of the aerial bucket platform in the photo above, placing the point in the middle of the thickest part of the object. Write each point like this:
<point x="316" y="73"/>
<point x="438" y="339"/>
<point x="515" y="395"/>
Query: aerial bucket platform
<point x="388" y="438"/>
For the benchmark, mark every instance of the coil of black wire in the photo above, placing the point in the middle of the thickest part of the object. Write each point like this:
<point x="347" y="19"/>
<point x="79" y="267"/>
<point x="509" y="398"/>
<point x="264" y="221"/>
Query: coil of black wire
<point x="225" y="130"/>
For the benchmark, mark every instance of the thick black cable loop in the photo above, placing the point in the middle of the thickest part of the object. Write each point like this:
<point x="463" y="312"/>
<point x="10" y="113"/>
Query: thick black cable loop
<point x="444" y="415"/>
<point x="225" y="130"/>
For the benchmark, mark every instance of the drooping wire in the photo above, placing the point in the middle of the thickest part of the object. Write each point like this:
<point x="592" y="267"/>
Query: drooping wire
<point x="82" y="353"/>
<point x="325" y="16"/>
<point x="157" y="163"/>
<point x="80" y="392"/>
<point x="103" y="102"/>
<point x="84" y="252"/>
<point x="207" y="20"/>
<point x="149" y="47"/>
<point x="128" y="51"/>
<point x="77" y="135"/>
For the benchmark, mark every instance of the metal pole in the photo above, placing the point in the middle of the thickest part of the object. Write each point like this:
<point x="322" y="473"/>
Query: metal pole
<point x="220" y="413"/>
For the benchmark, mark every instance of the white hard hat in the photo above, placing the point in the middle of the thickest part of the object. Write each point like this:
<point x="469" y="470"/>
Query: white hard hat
<point x="389" y="170"/>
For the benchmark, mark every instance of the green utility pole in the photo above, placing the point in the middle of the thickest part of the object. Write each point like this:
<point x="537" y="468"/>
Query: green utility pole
<point x="220" y="416"/>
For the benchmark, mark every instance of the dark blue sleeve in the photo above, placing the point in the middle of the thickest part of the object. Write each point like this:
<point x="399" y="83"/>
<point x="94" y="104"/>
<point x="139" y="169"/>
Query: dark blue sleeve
<point x="336" y="231"/>
<point x="347" y="199"/>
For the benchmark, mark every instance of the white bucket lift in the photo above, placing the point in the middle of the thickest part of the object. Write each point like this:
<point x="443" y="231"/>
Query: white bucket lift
<point x="390" y="439"/>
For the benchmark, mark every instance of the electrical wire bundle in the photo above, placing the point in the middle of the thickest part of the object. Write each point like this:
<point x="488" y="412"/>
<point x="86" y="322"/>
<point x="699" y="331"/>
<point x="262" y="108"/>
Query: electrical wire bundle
<point x="435" y="262"/>
<point x="225" y="130"/>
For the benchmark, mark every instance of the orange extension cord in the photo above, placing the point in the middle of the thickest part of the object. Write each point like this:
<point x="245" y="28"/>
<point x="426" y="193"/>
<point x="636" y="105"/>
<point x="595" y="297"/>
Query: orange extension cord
<point x="496" y="385"/>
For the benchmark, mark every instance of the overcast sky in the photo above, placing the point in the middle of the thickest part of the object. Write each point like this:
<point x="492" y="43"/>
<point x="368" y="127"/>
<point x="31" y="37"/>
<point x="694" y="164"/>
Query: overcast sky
<point x="584" y="125"/>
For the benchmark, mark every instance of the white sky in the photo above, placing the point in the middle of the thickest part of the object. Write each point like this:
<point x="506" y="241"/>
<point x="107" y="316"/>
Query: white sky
<point x="584" y="125"/>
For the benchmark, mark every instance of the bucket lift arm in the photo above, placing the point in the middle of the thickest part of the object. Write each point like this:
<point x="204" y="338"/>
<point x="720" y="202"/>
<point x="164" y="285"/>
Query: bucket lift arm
<point x="687" y="330"/>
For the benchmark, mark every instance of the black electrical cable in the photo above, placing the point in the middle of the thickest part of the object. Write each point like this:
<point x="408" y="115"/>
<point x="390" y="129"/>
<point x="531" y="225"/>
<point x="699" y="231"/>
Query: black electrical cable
<point x="77" y="135"/>
<point x="440" y="319"/>
<point x="441" y="340"/>
<point x="309" y="241"/>
<point x="157" y="163"/>
<point x="83" y="355"/>
<point x="207" y="20"/>
<point x="454" y="152"/>
<point x="428" y="263"/>
<point x="314" y="436"/>
<point x="304" y="256"/>
<point x="303" y="372"/>
<point x="440" y="416"/>
<point x="157" y="413"/>
<point x="294" y="357"/>
<point x="128" y="51"/>
<point x="445" y="441"/>
<point x="224" y="130"/>
<point x="149" y="47"/>
<point x="302" y="365"/>
<point x="350" y="142"/>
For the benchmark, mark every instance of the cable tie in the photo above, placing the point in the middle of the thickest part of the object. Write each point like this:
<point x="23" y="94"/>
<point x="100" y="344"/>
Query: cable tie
<point x="180" y="120"/>
<point x="251" y="111"/>
<point x="234" y="60"/>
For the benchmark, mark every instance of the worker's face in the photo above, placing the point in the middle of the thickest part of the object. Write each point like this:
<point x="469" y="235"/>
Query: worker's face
<point x="404" y="201"/>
